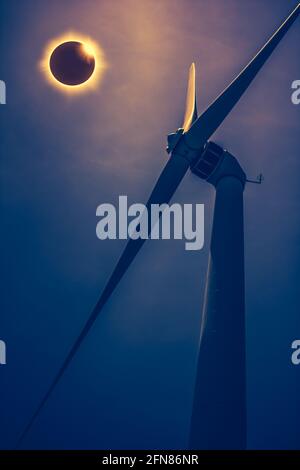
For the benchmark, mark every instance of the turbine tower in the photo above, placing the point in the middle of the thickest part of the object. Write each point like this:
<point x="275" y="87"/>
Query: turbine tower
<point x="219" y="410"/>
<point x="219" y="407"/>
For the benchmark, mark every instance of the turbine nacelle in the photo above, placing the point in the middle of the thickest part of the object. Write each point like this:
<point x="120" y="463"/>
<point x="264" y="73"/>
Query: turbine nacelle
<point x="208" y="161"/>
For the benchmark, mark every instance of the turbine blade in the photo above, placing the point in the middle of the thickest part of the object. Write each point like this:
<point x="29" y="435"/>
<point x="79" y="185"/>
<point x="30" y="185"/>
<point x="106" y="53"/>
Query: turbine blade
<point x="191" y="105"/>
<point x="211" y="119"/>
<point x="163" y="191"/>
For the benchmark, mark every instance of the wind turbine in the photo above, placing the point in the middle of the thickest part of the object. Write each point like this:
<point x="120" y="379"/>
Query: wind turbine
<point x="219" y="413"/>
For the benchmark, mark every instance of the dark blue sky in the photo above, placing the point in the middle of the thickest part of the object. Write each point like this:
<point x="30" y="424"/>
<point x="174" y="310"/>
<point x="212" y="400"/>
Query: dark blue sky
<point x="131" y="384"/>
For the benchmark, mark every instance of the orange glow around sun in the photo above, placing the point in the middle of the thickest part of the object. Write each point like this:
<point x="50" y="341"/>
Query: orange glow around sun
<point x="90" y="47"/>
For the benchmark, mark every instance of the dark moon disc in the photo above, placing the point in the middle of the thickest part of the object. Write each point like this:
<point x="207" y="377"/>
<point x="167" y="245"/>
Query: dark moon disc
<point x="71" y="64"/>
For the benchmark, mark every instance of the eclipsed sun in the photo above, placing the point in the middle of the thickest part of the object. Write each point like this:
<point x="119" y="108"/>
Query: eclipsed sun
<point x="73" y="63"/>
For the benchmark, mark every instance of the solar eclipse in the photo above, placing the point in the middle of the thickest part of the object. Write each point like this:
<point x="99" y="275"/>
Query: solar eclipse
<point x="73" y="63"/>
